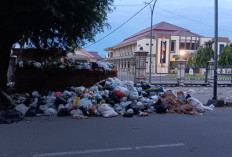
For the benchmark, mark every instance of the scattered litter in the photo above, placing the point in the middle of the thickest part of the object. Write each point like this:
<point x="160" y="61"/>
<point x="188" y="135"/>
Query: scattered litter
<point x="108" y="98"/>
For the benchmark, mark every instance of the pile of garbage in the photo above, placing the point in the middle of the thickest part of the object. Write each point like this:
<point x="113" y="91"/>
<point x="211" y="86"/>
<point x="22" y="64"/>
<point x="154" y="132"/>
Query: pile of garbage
<point x="67" y="64"/>
<point x="108" y="98"/>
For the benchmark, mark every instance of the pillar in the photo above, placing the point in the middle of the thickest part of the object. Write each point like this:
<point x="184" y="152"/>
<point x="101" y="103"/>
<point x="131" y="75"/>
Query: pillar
<point x="211" y="72"/>
<point x="181" y="71"/>
<point x="141" y="55"/>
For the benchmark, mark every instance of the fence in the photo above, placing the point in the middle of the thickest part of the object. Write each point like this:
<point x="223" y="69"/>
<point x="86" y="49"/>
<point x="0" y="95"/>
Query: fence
<point x="199" y="75"/>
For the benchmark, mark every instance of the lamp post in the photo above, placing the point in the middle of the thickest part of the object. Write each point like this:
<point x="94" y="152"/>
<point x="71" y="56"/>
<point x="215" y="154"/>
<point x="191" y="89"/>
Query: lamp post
<point x="215" y="50"/>
<point x="152" y="10"/>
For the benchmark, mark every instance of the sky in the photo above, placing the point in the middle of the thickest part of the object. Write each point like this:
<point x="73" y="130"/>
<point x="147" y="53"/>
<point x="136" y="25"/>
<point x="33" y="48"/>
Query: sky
<point x="194" y="15"/>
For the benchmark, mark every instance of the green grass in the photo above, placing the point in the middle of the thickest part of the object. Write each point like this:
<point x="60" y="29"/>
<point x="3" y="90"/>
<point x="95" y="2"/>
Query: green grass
<point x="196" y="76"/>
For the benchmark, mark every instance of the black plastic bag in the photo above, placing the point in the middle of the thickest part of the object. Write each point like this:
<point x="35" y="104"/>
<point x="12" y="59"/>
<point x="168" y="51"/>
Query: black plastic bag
<point x="10" y="116"/>
<point x="160" y="107"/>
<point x="145" y="85"/>
<point x="31" y="112"/>
<point x="63" y="112"/>
<point x="84" y="111"/>
<point x="60" y="100"/>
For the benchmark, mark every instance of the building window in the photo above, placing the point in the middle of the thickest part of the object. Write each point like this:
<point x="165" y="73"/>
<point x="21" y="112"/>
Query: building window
<point x="221" y="48"/>
<point x="193" y="46"/>
<point x="128" y="64"/>
<point x="173" y="45"/>
<point x="188" y="46"/>
<point x="182" y="45"/>
<point x="125" y="65"/>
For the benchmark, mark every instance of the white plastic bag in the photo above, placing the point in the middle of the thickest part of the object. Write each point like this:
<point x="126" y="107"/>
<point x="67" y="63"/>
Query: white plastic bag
<point x="21" y="108"/>
<point x="134" y="95"/>
<point x="85" y="102"/>
<point x="50" y="112"/>
<point x="196" y="104"/>
<point x="107" y="111"/>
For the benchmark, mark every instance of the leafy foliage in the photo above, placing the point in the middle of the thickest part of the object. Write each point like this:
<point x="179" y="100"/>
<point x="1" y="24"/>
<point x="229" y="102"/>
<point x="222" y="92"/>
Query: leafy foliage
<point x="204" y="54"/>
<point x="225" y="57"/>
<point x="174" y="64"/>
<point x="47" y="22"/>
<point x="190" y="63"/>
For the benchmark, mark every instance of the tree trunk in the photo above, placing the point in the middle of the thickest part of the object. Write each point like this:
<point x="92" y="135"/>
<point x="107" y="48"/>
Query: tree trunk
<point x="5" y="47"/>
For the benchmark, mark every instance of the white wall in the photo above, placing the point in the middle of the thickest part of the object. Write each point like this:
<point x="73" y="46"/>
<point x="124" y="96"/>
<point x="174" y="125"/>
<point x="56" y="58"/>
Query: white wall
<point x="203" y="40"/>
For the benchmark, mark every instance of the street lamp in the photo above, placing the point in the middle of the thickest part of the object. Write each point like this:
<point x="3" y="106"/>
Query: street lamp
<point x="182" y="53"/>
<point x="152" y="10"/>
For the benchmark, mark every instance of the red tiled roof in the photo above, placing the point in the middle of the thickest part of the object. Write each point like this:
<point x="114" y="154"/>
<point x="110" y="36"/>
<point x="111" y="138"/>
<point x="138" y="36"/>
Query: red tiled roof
<point x="160" y="28"/>
<point x="94" y="54"/>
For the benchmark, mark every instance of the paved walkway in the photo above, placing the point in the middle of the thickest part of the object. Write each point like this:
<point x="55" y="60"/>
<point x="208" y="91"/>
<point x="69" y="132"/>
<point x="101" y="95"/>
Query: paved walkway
<point x="205" y="93"/>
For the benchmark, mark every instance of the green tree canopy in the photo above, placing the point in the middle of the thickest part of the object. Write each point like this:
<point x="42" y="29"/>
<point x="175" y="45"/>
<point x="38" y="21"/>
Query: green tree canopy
<point x="48" y="22"/>
<point x="225" y="57"/>
<point x="204" y="54"/>
<point x="190" y="63"/>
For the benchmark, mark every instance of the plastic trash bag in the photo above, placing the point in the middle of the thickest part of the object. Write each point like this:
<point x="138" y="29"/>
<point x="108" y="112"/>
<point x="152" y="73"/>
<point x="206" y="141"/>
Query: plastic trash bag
<point x="37" y="65"/>
<point x="31" y="112"/>
<point x="180" y="95"/>
<point x="198" y="105"/>
<point x="125" y="104"/>
<point x="160" y="107"/>
<point x="67" y="93"/>
<point x="50" y="112"/>
<point x="21" y="108"/>
<point x="134" y="95"/>
<point x="60" y="100"/>
<point x="107" y="111"/>
<point x="119" y="93"/>
<point x="117" y="107"/>
<point x="128" y="113"/>
<point x="145" y="85"/>
<point x="62" y="111"/>
<point x="35" y="94"/>
<point x="94" y="88"/>
<point x="79" y="89"/>
<point x="117" y="82"/>
<point x="78" y="113"/>
<point x="10" y="116"/>
<point x="85" y="102"/>
<point x="124" y="90"/>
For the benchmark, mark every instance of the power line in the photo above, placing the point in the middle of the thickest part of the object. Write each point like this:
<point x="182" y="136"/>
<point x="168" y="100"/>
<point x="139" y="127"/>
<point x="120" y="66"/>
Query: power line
<point x="192" y="19"/>
<point x="120" y="25"/>
<point x="158" y="8"/>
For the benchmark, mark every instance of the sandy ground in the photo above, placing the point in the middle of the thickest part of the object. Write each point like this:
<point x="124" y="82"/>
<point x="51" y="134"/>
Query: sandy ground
<point x="205" y="93"/>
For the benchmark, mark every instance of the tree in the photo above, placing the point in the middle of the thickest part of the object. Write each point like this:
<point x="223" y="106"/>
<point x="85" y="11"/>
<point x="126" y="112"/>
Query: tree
<point x="46" y="22"/>
<point x="204" y="54"/>
<point x="190" y="63"/>
<point x="225" y="57"/>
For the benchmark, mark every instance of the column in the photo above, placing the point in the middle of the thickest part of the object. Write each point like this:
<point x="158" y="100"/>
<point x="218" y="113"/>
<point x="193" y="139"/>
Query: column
<point x="181" y="71"/>
<point x="211" y="72"/>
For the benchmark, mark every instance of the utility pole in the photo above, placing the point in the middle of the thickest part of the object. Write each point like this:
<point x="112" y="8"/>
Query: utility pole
<point x="215" y="50"/>
<point x="152" y="10"/>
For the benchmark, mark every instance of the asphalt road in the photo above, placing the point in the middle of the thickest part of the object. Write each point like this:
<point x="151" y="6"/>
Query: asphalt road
<point x="166" y="135"/>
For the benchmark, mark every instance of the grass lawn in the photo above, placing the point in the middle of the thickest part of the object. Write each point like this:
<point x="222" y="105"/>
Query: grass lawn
<point x="196" y="76"/>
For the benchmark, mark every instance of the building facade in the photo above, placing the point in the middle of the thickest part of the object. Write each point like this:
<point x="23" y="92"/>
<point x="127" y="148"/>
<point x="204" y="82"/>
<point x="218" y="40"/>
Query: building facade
<point x="168" y="41"/>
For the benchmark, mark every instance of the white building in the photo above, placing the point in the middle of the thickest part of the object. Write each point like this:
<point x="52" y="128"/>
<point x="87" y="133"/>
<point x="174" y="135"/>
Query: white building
<point x="173" y="38"/>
